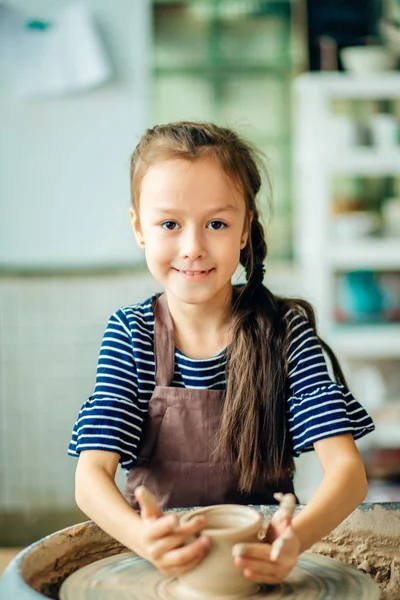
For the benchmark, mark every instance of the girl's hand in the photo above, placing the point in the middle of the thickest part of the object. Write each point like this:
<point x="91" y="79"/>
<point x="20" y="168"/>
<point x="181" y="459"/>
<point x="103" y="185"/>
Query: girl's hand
<point x="164" y="541"/>
<point x="268" y="563"/>
<point x="271" y="562"/>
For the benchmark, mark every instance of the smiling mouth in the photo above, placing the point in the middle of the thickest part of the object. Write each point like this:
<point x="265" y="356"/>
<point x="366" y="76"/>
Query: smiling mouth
<point x="193" y="273"/>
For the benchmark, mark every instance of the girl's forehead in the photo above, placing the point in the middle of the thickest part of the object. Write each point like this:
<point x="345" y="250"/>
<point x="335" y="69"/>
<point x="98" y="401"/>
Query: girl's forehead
<point x="180" y="180"/>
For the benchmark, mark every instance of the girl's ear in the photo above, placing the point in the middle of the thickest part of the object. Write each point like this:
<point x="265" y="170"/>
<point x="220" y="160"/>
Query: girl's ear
<point x="246" y="230"/>
<point x="136" y="228"/>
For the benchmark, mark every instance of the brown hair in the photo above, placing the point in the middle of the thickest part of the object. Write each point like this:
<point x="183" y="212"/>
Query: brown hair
<point x="253" y="433"/>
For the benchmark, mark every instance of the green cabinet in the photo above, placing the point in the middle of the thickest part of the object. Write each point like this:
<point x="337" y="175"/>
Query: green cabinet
<point x="232" y="62"/>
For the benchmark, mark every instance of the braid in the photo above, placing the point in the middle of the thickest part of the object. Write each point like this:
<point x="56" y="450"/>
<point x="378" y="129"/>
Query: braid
<point x="256" y="251"/>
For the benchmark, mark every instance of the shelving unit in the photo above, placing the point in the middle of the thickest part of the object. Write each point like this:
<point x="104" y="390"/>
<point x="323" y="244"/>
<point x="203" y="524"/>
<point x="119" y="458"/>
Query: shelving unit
<point x="318" y="159"/>
<point x="232" y="62"/>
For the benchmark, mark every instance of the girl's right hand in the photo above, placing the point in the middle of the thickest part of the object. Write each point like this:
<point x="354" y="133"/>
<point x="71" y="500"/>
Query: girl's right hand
<point x="164" y="540"/>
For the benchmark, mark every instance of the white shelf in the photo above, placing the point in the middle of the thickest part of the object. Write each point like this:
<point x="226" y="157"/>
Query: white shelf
<point x="369" y="253"/>
<point x="366" y="161"/>
<point x="366" y="341"/>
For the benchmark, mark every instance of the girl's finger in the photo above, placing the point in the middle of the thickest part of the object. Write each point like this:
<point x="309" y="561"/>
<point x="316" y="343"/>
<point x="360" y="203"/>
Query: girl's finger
<point x="192" y="527"/>
<point x="282" y="517"/>
<point x="259" y="566"/>
<point x="254" y="551"/>
<point x="149" y="508"/>
<point x="257" y="570"/>
<point x="159" y="528"/>
<point x="175" y="571"/>
<point x="260" y="570"/>
<point x="279" y="544"/>
<point x="169" y="542"/>
<point x="287" y="505"/>
<point x="264" y="576"/>
<point x="169" y="524"/>
<point x="181" y="557"/>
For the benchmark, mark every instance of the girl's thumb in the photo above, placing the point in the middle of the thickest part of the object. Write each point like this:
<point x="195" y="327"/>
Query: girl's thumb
<point x="278" y="545"/>
<point x="149" y="508"/>
<point x="287" y="505"/>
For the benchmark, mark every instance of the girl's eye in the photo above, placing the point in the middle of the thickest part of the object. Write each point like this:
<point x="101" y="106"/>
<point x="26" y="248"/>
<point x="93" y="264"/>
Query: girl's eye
<point x="216" y="225"/>
<point x="169" y="225"/>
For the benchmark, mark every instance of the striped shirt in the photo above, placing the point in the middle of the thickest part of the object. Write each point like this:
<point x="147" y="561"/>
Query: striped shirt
<point x="112" y="418"/>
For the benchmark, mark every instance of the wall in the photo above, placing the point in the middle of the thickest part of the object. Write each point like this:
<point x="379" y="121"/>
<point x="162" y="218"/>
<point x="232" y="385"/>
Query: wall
<point x="64" y="191"/>
<point x="50" y="332"/>
<point x="64" y="162"/>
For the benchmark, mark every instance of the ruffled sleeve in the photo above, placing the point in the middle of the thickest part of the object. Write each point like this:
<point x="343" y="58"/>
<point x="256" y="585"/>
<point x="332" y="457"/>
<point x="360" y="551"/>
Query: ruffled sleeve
<point x="318" y="407"/>
<point x="110" y="419"/>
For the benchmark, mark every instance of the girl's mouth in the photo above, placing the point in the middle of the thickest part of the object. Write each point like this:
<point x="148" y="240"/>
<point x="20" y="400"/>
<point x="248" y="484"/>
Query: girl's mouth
<point x="194" y="274"/>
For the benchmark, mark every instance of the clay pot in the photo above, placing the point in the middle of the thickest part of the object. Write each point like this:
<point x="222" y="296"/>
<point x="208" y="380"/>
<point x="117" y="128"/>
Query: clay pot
<point x="217" y="575"/>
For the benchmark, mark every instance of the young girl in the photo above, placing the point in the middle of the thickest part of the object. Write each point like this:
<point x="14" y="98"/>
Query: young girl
<point x="206" y="392"/>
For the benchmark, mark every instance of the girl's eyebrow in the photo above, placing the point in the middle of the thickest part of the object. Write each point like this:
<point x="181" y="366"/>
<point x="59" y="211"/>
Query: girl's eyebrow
<point x="217" y="209"/>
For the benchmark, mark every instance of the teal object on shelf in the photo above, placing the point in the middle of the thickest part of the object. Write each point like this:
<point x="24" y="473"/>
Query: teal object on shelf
<point x="39" y="25"/>
<point x="360" y="296"/>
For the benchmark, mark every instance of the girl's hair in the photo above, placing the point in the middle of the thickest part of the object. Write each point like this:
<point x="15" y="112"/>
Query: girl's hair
<point x="253" y="432"/>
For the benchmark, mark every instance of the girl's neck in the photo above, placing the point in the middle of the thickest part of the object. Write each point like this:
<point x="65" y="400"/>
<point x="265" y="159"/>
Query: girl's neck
<point x="201" y="330"/>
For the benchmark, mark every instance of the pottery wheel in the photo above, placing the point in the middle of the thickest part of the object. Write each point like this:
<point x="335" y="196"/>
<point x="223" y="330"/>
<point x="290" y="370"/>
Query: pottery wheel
<point x="129" y="577"/>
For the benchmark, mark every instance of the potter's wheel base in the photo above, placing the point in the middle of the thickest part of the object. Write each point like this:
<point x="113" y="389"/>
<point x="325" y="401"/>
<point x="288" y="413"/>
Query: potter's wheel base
<point x="129" y="577"/>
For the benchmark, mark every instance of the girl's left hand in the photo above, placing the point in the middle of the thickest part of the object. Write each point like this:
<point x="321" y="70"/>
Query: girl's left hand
<point x="271" y="562"/>
<point x="264" y="563"/>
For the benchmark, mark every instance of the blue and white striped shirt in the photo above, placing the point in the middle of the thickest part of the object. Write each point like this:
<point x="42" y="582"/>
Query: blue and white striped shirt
<point x="112" y="418"/>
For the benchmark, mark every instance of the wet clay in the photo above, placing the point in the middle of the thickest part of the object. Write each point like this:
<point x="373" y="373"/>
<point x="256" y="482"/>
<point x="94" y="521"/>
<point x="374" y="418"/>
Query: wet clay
<point x="49" y="562"/>
<point x="378" y="556"/>
<point x="129" y="577"/>
<point x="368" y="540"/>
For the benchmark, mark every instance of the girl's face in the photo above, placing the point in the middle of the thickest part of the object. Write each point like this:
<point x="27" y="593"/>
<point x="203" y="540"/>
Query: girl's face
<point x="192" y="226"/>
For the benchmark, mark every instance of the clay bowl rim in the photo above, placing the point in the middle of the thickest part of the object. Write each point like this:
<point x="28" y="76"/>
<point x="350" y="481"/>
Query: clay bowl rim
<point x="253" y="525"/>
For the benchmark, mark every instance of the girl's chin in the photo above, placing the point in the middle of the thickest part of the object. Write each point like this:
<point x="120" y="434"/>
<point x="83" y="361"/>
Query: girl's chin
<point x="200" y="294"/>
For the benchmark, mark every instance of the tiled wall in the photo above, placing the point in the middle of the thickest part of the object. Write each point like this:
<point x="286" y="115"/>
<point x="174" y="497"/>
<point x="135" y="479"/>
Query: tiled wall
<point x="50" y="330"/>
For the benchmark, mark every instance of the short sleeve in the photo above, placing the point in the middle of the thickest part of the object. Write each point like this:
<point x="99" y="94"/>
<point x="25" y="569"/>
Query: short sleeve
<point x="110" y="419"/>
<point x="318" y="407"/>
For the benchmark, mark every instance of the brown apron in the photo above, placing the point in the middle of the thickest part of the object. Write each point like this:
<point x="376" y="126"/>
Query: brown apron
<point x="175" y="456"/>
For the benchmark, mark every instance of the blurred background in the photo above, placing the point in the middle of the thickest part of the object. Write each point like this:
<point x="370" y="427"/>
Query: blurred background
<point x="315" y="84"/>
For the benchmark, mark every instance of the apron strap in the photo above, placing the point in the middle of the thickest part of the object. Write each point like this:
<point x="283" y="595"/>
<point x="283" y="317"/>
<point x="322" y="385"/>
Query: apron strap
<point x="164" y="342"/>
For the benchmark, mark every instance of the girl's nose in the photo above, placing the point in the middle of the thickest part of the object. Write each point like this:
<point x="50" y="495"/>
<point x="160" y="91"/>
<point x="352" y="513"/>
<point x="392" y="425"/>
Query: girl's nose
<point x="192" y="245"/>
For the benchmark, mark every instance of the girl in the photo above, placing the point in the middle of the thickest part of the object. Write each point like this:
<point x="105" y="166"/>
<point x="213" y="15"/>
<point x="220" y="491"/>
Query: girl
<point x="206" y="392"/>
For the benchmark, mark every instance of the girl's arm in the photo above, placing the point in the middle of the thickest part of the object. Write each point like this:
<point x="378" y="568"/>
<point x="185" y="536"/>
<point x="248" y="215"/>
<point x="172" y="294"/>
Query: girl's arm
<point x="153" y="536"/>
<point x="97" y="496"/>
<point x="343" y="488"/>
